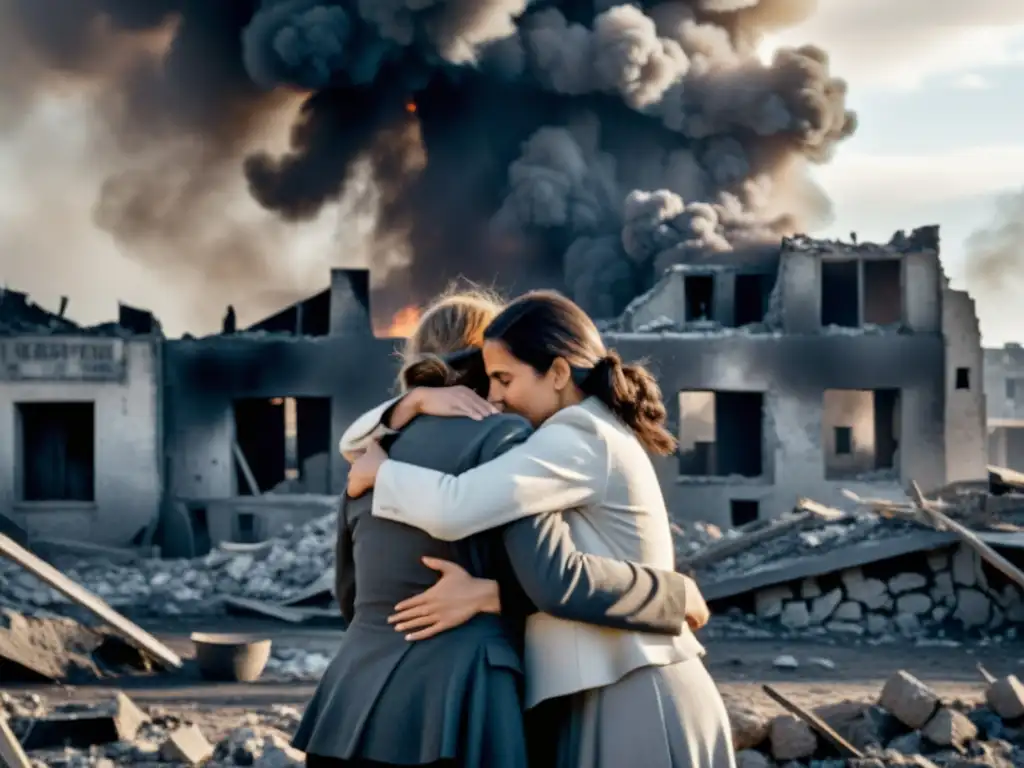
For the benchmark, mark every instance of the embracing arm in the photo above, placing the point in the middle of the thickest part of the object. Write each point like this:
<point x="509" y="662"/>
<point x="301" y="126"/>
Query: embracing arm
<point x="560" y="466"/>
<point x="569" y="584"/>
<point x="373" y="425"/>
<point x="344" y="566"/>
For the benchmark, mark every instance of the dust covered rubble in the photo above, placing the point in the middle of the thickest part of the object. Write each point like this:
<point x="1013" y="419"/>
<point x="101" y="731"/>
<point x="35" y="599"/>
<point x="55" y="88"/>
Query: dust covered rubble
<point x="275" y="571"/>
<point x="908" y="724"/>
<point x="170" y="737"/>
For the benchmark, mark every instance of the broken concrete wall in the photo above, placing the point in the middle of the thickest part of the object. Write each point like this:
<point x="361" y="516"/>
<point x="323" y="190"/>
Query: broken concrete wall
<point x="113" y="425"/>
<point x="1004" y="383"/>
<point x="966" y="434"/>
<point x="793" y="373"/>
<point x="205" y="377"/>
<point x="1006" y="447"/>
<point x="947" y="588"/>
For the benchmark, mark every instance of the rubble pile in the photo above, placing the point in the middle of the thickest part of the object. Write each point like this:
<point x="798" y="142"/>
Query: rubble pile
<point x="147" y="737"/>
<point x="908" y="725"/>
<point x="274" y="571"/>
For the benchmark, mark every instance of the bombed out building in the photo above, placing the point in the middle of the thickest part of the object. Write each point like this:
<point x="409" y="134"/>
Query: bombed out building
<point x="1004" y="385"/>
<point x="840" y="366"/>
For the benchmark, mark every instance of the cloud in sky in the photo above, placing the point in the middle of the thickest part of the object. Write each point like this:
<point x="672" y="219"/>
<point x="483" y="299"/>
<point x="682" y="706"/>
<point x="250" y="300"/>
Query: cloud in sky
<point x="900" y="43"/>
<point x="971" y="82"/>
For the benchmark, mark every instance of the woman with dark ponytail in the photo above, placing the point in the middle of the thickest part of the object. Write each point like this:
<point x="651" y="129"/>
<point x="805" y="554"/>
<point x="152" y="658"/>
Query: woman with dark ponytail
<point x="455" y="699"/>
<point x="607" y="699"/>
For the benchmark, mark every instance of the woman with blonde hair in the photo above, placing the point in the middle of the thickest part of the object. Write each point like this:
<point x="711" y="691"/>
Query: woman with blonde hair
<point x="455" y="698"/>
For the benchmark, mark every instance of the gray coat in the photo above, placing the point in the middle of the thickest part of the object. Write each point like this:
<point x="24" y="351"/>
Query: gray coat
<point x="458" y="695"/>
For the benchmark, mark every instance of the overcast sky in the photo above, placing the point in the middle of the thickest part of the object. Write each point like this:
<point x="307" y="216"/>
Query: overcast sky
<point x="937" y="84"/>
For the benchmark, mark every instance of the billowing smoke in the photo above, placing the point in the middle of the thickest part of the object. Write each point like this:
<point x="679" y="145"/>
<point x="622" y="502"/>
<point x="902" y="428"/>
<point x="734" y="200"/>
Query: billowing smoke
<point x="580" y="143"/>
<point x="994" y="263"/>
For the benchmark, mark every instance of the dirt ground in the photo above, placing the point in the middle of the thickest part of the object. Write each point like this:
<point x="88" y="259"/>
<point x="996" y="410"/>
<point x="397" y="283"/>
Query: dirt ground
<point x="827" y="673"/>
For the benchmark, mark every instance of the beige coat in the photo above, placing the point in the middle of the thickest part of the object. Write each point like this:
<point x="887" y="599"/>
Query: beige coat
<point x="583" y="460"/>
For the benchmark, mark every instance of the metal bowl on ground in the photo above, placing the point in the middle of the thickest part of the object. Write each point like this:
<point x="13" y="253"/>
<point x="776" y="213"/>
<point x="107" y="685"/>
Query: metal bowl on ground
<point x="231" y="657"/>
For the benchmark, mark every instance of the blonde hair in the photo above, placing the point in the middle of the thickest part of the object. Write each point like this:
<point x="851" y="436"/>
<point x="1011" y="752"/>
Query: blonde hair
<point x="454" y="322"/>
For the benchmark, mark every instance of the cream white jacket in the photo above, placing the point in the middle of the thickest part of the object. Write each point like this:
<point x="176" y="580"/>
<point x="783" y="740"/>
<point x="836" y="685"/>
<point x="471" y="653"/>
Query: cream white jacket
<point x="585" y="462"/>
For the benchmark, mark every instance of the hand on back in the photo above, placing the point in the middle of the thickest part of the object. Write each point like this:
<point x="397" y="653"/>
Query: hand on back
<point x="451" y="401"/>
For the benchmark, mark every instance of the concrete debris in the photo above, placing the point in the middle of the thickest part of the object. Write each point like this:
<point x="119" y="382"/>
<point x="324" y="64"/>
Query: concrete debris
<point x="298" y="664"/>
<point x="282" y="568"/>
<point x="953" y="735"/>
<point x="154" y="737"/>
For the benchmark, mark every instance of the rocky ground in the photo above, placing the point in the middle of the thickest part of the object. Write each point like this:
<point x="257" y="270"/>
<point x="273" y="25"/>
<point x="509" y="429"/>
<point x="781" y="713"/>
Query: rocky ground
<point x="236" y="724"/>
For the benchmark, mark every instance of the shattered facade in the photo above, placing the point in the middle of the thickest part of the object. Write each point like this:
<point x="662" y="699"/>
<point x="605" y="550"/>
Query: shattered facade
<point x="80" y="438"/>
<point x="837" y="366"/>
<point x="1004" y="385"/>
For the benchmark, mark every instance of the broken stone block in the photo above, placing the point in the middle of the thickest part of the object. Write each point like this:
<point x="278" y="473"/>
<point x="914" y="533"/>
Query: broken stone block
<point x="795" y="615"/>
<point x="186" y="745"/>
<point x="877" y="624"/>
<point x="823" y="607"/>
<point x="849" y="611"/>
<point x="906" y="582"/>
<point x="907" y="624"/>
<point x="973" y="609"/>
<point x="966" y="567"/>
<point x="809" y="588"/>
<point x="259" y="747"/>
<point x="853" y="721"/>
<point x="908" y="743"/>
<point x="908" y="700"/>
<point x="1005" y="697"/>
<point x="791" y="738"/>
<point x="942" y="590"/>
<point x="768" y="602"/>
<point x="118" y="720"/>
<point x="916" y="604"/>
<point x="938" y="560"/>
<point x="751" y="758"/>
<point x="871" y="592"/>
<point x="749" y="728"/>
<point x="949" y="728"/>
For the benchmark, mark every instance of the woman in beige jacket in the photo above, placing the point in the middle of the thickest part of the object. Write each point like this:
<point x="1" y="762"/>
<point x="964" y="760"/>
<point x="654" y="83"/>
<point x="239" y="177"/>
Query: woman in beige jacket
<point x="611" y="698"/>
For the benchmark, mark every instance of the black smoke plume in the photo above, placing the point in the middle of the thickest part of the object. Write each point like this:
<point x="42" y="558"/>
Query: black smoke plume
<point x="580" y="143"/>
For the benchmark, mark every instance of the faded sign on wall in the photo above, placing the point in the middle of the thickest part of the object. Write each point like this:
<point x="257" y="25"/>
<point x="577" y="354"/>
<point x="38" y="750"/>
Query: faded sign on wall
<point x="62" y="358"/>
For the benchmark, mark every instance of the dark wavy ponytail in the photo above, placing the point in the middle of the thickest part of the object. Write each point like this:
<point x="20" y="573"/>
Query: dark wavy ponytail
<point x="542" y="326"/>
<point x="631" y="393"/>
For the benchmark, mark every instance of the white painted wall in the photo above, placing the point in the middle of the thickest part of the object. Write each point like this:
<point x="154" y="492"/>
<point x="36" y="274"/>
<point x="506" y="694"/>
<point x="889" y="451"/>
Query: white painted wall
<point x="127" y="453"/>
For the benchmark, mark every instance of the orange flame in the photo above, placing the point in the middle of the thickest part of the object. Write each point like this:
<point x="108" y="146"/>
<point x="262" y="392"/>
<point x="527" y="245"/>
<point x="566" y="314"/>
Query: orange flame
<point x="410" y="107"/>
<point x="403" y="324"/>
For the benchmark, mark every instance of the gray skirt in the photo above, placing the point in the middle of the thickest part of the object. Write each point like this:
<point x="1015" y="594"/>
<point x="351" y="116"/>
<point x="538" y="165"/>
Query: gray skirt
<point x="453" y="697"/>
<point x="654" y="717"/>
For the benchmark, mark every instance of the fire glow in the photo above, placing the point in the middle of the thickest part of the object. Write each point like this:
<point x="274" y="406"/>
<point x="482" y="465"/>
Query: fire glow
<point x="403" y="324"/>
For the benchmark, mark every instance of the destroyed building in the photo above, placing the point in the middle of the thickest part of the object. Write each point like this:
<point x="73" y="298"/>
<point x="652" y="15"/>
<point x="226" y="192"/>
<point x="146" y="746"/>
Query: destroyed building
<point x="1004" y="387"/>
<point x="80" y="435"/>
<point x="835" y="366"/>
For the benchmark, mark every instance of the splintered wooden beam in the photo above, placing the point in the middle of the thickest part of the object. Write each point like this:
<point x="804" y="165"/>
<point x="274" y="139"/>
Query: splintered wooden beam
<point x="816" y="723"/>
<point x="968" y="537"/>
<point x="11" y="753"/>
<point x="725" y="548"/>
<point x="1002" y="480"/>
<point x="132" y="632"/>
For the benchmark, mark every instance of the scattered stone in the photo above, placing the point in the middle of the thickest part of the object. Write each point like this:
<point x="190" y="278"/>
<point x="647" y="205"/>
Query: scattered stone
<point x="906" y="582"/>
<point x="186" y="745"/>
<point x="786" y="662"/>
<point x="908" y="700"/>
<point x="1006" y="698"/>
<point x="818" y="661"/>
<point x="768" y="602"/>
<point x="916" y="604"/>
<point x="908" y="743"/>
<point x="791" y="738"/>
<point x="749" y="728"/>
<point x="795" y="615"/>
<point x="949" y="728"/>
<point x="872" y="593"/>
<point x="972" y="608"/>
<point x="823" y="607"/>
<point x="849" y="611"/>
<point x="750" y="758"/>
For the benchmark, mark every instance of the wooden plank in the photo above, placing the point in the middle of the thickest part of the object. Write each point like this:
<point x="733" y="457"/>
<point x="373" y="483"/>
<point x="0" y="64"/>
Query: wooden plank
<point x="250" y="478"/>
<point x="969" y="538"/>
<point x="1002" y="480"/>
<point x="824" y="729"/>
<point x="11" y="753"/>
<point x="133" y="633"/>
<point x="830" y="514"/>
<point x="725" y="548"/>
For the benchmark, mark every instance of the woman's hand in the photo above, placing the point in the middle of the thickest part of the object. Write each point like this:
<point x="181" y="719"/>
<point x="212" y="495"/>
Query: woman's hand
<point x="697" y="612"/>
<point x="362" y="475"/>
<point x="446" y="401"/>
<point x="455" y="599"/>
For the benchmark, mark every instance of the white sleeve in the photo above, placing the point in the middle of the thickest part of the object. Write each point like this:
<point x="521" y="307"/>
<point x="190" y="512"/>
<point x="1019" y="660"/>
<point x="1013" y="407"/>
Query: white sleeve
<point x="559" y="467"/>
<point x="370" y="426"/>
